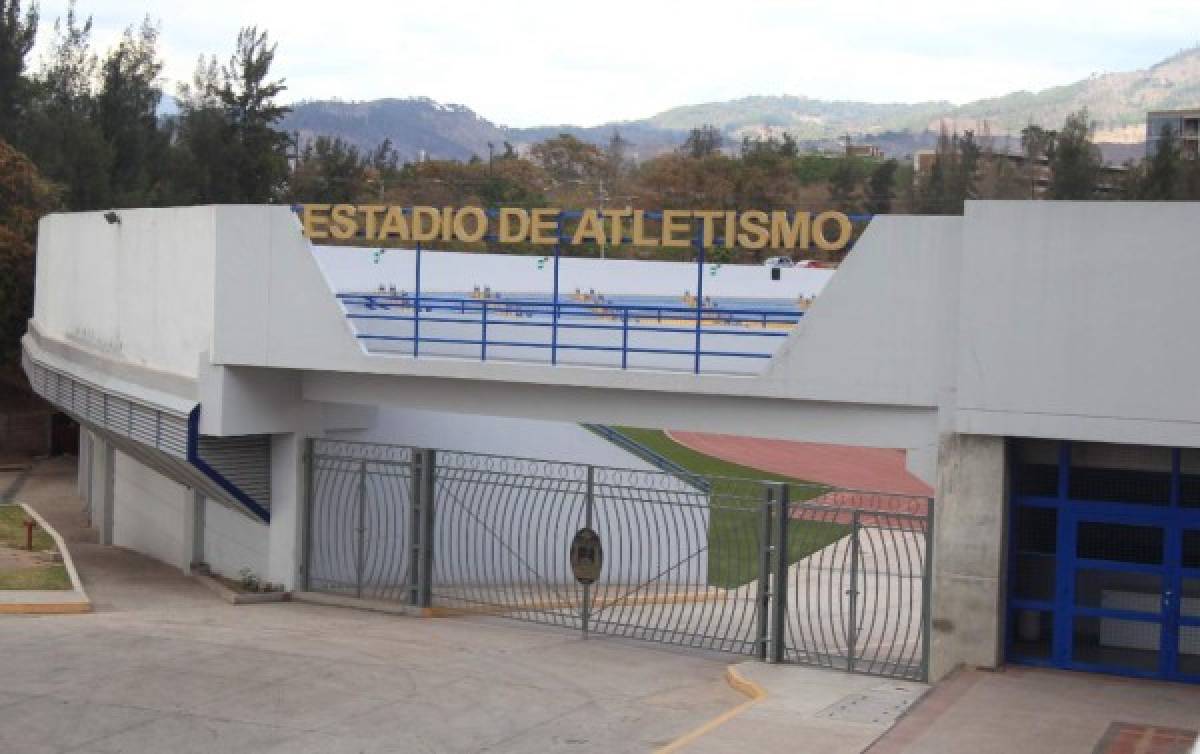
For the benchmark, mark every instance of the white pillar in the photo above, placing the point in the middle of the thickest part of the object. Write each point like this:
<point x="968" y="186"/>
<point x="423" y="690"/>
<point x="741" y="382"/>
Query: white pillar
<point x="968" y="554"/>
<point x="102" y="487"/>
<point x="287" y="489"/>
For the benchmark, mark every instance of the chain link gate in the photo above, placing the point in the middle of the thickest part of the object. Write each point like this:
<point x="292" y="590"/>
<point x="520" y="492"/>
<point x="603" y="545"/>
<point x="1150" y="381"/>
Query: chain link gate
<point x="784" y="572"/>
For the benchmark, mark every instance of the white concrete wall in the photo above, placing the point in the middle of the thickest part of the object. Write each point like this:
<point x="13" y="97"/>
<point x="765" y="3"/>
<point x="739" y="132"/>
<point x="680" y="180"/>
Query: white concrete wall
<point x="351" y="269"/>
<point x="232" y="541"/>
<point x="140" y="291"/>
<point x="526" y="438"/>
<point x="150" y="513"/>
<point x="153" y="515"/>
<point x="1078" y="321"/>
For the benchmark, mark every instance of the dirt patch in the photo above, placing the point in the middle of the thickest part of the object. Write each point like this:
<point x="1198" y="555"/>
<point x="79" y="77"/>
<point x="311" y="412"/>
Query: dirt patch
<point x="13" y="559"/>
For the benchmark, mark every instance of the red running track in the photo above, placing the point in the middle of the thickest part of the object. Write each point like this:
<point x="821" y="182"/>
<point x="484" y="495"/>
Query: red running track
<point x="878" y="470"/>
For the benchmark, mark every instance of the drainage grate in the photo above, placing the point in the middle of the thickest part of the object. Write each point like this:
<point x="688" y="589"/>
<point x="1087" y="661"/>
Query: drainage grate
<point x="883" y="704"/>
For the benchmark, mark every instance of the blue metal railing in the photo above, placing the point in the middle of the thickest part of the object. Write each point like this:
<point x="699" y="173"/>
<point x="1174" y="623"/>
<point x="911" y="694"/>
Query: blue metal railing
<point x="651" y="457"/>
<point x="557" y="315"/>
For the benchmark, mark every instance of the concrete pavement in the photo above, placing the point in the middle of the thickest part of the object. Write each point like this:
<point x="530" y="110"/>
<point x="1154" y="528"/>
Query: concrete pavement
<point x="1037" y="711"/>
<point x="164" y="665"/>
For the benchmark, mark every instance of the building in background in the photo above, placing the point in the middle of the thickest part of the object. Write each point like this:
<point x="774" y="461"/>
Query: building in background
<point x="1185" y="124"/>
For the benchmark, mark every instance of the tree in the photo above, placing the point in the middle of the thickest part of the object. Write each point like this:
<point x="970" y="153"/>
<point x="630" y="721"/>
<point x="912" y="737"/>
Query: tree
<point x="200" y="166"/>
<point x="61" y="135"/>
<point x="568" y="160"/>
<point x="251" y="113"/>
<point x="843" y="183"/>
<point x="24" y="197"/>
<point x="17" y="35"/>
<point x="329" y="170"/>
<point x="1161" y="179"/>
<point x="126" y="113"/>
<point x="1075" y="163"/>
<point x="951" y="178"/>
<point x="702" y="142"/>
<point x="881" y="187"/>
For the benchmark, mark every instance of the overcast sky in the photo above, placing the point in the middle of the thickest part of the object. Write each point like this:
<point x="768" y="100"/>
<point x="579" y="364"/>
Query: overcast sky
<point x="536" y="62"/>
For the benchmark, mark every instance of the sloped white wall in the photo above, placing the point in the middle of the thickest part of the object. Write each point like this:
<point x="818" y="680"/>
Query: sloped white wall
<point x="879" y="331"/>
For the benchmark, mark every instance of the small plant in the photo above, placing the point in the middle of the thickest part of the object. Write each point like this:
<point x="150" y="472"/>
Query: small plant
<point x="250" y="580"/>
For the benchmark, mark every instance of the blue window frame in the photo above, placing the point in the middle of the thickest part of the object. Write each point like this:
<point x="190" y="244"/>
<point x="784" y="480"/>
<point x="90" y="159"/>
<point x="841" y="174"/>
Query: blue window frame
<point x="1104" y="569"/>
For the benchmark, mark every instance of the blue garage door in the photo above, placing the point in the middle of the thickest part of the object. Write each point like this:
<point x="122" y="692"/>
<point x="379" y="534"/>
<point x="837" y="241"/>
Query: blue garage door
<point x="1104" y="566"/>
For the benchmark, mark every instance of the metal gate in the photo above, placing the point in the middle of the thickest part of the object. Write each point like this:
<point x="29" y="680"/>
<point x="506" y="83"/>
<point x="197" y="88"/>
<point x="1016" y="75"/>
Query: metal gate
<point x="789" y="573"/>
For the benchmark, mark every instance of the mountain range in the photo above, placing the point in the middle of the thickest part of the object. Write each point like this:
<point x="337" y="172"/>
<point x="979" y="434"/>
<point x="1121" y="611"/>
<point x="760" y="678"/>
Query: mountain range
<point x="421" y="127"/>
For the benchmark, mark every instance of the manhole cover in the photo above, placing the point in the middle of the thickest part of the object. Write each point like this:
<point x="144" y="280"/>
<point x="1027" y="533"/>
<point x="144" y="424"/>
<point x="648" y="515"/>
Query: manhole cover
<point x="1132" y="738"/>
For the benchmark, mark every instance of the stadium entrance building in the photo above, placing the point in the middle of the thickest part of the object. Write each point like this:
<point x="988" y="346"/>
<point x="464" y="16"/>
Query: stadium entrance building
<point x="1036" y="360"/>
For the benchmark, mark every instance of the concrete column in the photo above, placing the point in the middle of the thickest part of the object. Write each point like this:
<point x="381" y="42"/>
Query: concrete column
<point x="969" y="554"/>
<point x="287" y="506"/>
<point x="83" y="467"/>
<point x="191" y="539"/>
<point x="102" y="488"/>
<point x="200" y="522"/>
<point x="922" y="463"/>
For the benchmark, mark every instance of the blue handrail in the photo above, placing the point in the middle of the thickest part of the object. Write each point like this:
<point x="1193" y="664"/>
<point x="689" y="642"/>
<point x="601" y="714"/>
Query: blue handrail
<point x="567" y="316"/>
<point x="652" y="457"/>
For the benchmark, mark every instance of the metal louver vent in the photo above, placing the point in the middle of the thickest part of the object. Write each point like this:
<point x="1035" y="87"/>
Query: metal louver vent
<point x="235" y="471"/>
<point x="245" y="461"/>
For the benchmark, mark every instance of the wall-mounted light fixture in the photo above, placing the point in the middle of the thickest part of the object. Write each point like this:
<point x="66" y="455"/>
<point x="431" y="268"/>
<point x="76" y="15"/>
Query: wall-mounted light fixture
<point x="112" y="217"/>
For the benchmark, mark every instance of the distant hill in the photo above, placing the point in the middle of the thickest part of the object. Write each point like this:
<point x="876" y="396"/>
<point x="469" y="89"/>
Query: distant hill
<point x="416" y="126"/>
<point x="1117" y="101"/>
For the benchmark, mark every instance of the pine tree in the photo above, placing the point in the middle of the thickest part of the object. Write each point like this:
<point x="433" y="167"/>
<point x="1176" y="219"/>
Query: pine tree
<point x="1163" y="171"/>
<point x="1075" y="163"/>
<point x="248" y="99"/>
<point x="17" y="33"/>
<point x="126" y="113"/>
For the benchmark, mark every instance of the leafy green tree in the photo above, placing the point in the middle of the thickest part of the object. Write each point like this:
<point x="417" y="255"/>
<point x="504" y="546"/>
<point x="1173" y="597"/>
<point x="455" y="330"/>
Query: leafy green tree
<point x="1075" y="163"/>
<point x="24" y="197"/>
<point x="17" y="33"/>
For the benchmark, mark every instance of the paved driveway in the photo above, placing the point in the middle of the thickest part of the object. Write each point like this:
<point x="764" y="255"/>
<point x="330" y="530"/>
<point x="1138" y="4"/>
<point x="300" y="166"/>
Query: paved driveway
<point x="164" y="666"/>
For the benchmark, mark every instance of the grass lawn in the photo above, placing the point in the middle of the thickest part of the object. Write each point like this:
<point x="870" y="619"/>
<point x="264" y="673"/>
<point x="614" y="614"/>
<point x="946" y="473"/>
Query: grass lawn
<point x="12" y="535"/>
<point x="734" y="524"/>
<point x="40" y="577"/>
<point x="12" y="530"/>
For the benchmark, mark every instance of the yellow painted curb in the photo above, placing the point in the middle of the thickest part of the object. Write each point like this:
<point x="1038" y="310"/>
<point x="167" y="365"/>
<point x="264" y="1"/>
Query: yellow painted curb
<point x="710" y="594"/>
<point x="735" y="680"/>
<point x="44" y="608"/>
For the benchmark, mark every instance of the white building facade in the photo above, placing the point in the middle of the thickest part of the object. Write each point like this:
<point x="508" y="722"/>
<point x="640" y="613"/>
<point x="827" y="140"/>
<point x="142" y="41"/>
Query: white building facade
<point x="1035" y="359"/>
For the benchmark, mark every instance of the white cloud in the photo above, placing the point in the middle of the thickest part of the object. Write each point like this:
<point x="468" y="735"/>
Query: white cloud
<point x="550" y="61"/>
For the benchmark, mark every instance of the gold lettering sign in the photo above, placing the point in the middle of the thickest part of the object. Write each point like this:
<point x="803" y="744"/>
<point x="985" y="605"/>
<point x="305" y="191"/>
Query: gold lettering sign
<point x="546" y="226"/>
